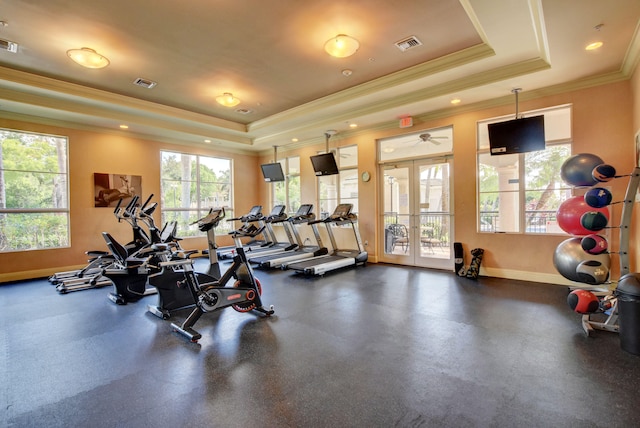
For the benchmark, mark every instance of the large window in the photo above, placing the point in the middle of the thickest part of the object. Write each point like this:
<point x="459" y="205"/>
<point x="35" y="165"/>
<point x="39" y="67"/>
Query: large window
<point x="191" y="185"/>
<point x="34" y="193"/>
<point x="520" y="193"/>
<point x="287" y="192"/>
<point x="343" y="187"/>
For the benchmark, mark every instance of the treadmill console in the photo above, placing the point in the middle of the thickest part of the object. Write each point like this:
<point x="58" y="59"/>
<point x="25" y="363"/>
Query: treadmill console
<point x="211" y="220"/>
<point x="277" y="213"/>
<point x="342" y="211"/>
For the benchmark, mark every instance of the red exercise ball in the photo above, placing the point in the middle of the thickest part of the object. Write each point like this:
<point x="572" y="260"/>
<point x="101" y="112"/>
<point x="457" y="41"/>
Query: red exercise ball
<point x="570" y="212"/>
<point x="583" y="301"/>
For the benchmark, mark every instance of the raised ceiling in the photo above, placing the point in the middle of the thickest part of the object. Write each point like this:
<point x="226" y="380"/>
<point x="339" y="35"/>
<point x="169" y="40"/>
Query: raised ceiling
<point x="270" y="55"/>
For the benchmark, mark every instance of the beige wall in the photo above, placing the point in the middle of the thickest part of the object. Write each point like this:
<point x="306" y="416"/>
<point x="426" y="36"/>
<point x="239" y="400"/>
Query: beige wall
<point x="91" y="152"/>
<point x="603" y="123"/>
<point x="635" y="93"/>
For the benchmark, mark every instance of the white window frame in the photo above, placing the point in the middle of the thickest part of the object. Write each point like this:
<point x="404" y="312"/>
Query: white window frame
<point x="337" y="182"/>
<point x="36" y="235"/>
<point x="197" y="209"/>
<point x="557" y="133"/>
<point x="291" y="176"/>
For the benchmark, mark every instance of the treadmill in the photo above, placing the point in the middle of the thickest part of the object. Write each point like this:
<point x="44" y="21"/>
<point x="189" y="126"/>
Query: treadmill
<point x="303" y="251"/>
<point x="254" y="215"/>
<point x="339" y="258"/>
<point x="277" y="215"/>
<point x="303" y="215"/>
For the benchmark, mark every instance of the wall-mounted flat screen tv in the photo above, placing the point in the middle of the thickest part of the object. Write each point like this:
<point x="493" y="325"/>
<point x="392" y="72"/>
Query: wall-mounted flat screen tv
<point x="272" y="172"/>
<point x="517" y="136"/>
<point x="324" y="164"/>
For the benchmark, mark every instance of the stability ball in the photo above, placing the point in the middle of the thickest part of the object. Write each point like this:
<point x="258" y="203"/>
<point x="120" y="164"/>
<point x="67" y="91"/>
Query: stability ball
<point x="583" y="301"/>
<point x="570" y="212"/>
<point x="569" y="254"/>
<point x="577" y="170"/>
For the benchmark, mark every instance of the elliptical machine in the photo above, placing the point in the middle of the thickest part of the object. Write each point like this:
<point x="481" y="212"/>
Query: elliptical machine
<point x="173" y="292"/>
<point x="244" y="296"/>
<point x="91" y="276"/>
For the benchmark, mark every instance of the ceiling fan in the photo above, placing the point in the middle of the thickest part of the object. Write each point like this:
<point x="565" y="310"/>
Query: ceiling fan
<point x="327" y="135"/>
<point x="426" y="137"/>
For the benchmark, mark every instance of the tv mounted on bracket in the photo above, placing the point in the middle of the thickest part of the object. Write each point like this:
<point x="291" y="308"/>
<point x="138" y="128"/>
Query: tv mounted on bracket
<point x="324" y="164"/>
<point x="517" y="136"/>
<point x="272" y="172"/>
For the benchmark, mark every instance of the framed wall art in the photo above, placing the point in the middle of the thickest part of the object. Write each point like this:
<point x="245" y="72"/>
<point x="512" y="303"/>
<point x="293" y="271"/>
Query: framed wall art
<point x="110" y="188"/>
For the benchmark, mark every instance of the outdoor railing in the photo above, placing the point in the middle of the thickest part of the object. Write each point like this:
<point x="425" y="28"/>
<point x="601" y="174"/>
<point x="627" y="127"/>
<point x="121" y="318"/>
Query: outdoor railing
<point x="535" y="221"/>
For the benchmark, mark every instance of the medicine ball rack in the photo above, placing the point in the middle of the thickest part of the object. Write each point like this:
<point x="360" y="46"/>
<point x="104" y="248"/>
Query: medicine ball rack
<point x="611" y="322"/>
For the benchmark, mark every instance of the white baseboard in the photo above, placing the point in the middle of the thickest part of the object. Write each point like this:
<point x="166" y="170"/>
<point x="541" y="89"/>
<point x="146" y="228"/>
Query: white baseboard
<point x="547" y="278"/>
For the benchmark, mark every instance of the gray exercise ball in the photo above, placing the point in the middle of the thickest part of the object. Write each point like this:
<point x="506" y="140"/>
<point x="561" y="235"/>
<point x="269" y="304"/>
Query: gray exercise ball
<point x="569" y="254"/>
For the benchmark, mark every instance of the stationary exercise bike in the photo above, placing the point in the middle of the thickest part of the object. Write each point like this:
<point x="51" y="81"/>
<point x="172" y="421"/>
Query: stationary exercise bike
<point x="173" y="292"/>
<point x="244" y="296"/>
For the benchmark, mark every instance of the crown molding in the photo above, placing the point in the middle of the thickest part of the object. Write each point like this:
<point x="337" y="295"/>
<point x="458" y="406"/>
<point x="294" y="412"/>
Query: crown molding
<point x="439" y="65"/>
<point x="632" y="57"/>
<point x="453" y="86"/>
<point x="77" y="98"/>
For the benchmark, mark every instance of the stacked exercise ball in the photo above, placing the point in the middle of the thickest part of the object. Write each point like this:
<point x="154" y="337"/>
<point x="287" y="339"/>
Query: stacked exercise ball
<point x="575" y="264"/>
<point x="583" y="301"/>
<point x="578" y="169"/>
<point x="584" y="257"/>
<point x="576" y="217"/>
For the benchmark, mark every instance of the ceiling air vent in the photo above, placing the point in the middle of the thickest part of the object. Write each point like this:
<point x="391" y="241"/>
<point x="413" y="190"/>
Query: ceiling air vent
<point x="244" y="111"/>
<point x="6" y="45"/>
<point x="145" y="83"/>
<point x="408" y="43"/>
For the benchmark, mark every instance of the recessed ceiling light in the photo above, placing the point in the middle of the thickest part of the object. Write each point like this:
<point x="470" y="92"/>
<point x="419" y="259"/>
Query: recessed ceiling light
<point x="124" y="126"/>
<point x="456" y="101"/>
<point x="207" y="141"/>
<point x="295" y="140"/>
<point x="353" y="125"/>
<point x="593" y="46"/>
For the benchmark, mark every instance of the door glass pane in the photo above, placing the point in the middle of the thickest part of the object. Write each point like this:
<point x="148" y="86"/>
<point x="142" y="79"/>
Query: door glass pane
<point x="397" y="211"/>
<point x="433" y="207"/>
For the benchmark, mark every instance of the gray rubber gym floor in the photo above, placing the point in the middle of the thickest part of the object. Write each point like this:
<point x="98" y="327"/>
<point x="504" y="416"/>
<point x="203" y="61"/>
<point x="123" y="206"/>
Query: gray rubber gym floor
<point x="375" y="346"/>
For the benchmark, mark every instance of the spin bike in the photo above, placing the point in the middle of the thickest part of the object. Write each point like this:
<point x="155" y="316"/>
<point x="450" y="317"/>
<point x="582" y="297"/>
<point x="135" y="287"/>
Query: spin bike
<point x="173" y="293"/>
<point x="244" y="296"/>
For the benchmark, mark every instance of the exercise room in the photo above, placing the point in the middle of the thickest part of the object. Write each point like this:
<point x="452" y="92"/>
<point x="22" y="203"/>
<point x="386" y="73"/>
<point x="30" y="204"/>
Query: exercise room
<point x="320" y="213"/>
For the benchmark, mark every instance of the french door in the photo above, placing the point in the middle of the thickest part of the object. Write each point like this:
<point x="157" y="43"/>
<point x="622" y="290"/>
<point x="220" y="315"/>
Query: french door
<point x="417" y="223"/>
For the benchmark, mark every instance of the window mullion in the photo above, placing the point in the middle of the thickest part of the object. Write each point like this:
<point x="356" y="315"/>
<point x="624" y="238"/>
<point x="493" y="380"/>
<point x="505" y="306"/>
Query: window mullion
<point x="522" y="194"/>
